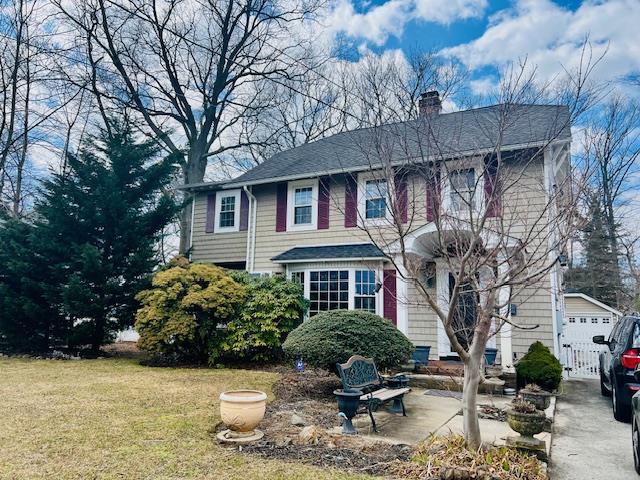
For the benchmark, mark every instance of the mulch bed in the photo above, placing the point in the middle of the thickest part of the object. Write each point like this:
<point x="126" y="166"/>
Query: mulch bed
<point x="309" y="395"/>
<point x="375" y="459"/>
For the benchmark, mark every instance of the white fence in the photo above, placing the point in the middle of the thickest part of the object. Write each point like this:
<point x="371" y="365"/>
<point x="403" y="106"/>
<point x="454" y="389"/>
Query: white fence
<point x="581" y="358"/>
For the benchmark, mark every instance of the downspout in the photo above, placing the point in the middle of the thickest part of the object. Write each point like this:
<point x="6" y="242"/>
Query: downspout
<point x="192" y="226"/>
<point x="251" y="233"/>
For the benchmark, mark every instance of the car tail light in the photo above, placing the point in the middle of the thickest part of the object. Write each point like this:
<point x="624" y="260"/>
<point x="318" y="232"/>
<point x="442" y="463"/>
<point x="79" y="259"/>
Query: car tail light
<point x="631" y="358"/>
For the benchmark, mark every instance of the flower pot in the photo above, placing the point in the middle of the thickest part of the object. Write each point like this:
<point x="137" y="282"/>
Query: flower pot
<point x="526" y="424"/>
<point x="242" y="411"/>
<point x="541" y="400"/>
<point x="421" y="355"/>
<point x="490" y="355"/>
<point x="348" y="403"/>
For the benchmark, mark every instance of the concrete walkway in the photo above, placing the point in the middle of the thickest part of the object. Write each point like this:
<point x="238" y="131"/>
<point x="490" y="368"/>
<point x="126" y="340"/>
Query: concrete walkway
<point x="587" y="442"/>
<point x="436" y="413"/>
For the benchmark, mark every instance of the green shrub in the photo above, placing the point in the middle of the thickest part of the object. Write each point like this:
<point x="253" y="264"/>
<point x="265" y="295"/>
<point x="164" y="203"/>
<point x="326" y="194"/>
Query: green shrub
<point x="273" y="307"/>
<point x="332" y="337"/>
<point x="181" y="315"/>
<point x="539" y="366"/>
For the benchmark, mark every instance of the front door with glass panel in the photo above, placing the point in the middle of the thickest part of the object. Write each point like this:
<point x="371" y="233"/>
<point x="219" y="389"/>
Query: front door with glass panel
<point x="464" y="317"/>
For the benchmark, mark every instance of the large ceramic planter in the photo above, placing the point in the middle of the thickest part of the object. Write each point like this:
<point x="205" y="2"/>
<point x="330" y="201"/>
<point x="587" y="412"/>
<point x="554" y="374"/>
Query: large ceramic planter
<point x="526" y="424"/>
<point x="241" y="412"/>
<point x="541" y="400"/>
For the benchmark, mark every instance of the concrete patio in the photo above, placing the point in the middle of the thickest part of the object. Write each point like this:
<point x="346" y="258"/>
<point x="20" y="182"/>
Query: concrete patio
<point x="430" y="411"/>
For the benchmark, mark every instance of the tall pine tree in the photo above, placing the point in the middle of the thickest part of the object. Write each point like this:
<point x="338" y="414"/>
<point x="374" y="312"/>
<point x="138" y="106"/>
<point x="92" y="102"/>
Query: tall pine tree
<point x="95" y="233"/>
<point x="598" y="276"/>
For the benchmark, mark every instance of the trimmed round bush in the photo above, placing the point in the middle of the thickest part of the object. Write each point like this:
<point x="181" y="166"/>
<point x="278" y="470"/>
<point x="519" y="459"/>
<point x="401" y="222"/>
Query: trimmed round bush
<point x="332" y="337"/>
<point x="539" y="366"/>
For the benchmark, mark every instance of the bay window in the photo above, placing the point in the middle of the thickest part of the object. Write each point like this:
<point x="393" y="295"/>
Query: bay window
<point x="344" y="289"/>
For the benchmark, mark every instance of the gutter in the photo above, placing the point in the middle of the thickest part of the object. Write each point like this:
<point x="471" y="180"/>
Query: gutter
<point x="251" y="234"/>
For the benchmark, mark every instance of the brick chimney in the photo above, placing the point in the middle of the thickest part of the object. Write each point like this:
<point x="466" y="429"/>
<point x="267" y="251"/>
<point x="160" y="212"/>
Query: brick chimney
<point x="429" y="103"/>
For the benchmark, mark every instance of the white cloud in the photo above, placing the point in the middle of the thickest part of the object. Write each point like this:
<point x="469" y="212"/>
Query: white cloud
<point x="376" y="25"/>
<point x="448" y="11"/>
<point x="549" y="36"/>
<point x="380" y="22"/>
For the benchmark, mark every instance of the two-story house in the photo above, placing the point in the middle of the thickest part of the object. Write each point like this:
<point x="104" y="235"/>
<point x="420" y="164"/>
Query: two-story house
<point x="301" y="213"/>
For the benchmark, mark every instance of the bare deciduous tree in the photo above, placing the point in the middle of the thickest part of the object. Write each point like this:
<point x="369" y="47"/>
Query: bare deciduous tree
<point x="192" y="69"/>
<point x="474" y="213"/>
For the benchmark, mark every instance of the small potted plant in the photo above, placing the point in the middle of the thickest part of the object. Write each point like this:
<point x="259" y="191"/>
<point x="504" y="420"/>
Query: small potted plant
<point x="525" y="418"/>
<point x="534" y="393"/>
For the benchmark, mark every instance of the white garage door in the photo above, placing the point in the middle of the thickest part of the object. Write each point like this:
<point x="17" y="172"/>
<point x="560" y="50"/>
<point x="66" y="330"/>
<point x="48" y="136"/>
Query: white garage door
<point x="580" y="354"/>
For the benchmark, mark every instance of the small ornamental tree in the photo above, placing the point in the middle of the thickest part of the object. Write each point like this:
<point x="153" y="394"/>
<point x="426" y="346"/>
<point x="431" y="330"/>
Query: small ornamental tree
<point x="332" y="337"/>
<point x="273" y="307"/>
<point x="181" y="315"/>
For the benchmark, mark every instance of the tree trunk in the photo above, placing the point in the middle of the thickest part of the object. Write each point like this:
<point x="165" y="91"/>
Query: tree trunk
<point x="471" y="426"/>
<point x="192" y="172"/>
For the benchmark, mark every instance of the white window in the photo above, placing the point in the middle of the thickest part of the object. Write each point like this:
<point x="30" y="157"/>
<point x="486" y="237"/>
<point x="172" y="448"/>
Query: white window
<point x="328" y="290"/>
<point x="227" y="217"/>
<point x="365" y="294"/>
<point x="572" y="320"/>
<point x="298" y="277"/>
<point x="594" y="320"/>
<point x="302" y="201"/>
<point x="583" y="320"/>
<point x="375" y="199"/>
<point x="302" y="206"/>
<point x="461" y="189"/>
<point x="606" y="320"/>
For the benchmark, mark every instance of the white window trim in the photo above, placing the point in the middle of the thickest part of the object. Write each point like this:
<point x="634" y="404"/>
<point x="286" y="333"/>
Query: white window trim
<point x="363" y="178"/>
<point x="475" y="164"/>
<point x="351" y="268"/>
<point x="236" y="214"/>
<point x="291" y="188"/>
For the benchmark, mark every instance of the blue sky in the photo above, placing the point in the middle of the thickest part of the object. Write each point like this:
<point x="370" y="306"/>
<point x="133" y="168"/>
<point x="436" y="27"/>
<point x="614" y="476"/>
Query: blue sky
<point x="486" y="35"/>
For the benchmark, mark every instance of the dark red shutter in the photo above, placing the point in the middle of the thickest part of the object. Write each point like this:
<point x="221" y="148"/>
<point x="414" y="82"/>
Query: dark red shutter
<point x="433" y="196"/>
<point x="492" y="197"/>
<point x="211" y="213"/>
<point x="281" y="207"/>
<point x="324" y="193"/>
<point x="350" y="202"/>
<point x="390" y="303"/>
<point x="244" y="211"/>
<point x="402" y="196"/>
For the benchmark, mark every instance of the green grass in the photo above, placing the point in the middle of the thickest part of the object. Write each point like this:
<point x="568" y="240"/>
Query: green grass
<point x="115" y="419"/>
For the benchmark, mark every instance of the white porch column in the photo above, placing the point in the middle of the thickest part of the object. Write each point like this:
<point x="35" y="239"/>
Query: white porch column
<point x="442" y="292"/>
<point x="402" y="298"/>
<point x="506" y="349"/>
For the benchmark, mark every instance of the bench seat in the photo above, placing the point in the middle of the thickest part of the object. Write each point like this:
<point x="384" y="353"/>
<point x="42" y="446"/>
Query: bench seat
<point x="385" y="394"/>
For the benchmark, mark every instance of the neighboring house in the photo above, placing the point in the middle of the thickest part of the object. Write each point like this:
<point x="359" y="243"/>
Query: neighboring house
<point x="584" y="317"/>
<point x="298" y="214"/>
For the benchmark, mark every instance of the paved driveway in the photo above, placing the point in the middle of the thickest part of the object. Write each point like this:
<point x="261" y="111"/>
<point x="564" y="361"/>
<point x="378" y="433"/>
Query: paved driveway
<point x="587" y="442"/>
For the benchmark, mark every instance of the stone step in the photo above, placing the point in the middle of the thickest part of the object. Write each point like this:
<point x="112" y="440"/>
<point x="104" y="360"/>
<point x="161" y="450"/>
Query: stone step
<point x="492" y="386"/>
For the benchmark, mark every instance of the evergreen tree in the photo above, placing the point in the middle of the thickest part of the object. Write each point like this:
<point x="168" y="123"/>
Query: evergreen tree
<point x="94" y="237"/>
<point x="599" y="275"/>
<point x="31" y="319"/>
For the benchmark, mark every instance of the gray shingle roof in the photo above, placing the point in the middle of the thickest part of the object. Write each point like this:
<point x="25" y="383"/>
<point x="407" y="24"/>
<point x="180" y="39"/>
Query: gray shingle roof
<point x="324" y="252"/>
<point x="444" y="135"/>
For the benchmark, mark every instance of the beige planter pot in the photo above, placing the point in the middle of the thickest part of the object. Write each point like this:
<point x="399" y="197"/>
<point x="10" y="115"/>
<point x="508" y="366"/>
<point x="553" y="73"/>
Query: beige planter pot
<point x="242" y="411"/>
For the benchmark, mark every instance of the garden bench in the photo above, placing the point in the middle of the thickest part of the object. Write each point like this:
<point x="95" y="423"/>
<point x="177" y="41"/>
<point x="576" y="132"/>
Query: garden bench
<point x="361" y="373"/>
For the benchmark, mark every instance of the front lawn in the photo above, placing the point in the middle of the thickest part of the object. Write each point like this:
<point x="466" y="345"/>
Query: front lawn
<point x="115" y="419"/>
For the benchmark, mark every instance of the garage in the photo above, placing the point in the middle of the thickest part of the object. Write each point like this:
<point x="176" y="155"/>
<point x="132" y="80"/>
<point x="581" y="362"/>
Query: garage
<point x="584" y="317"/>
